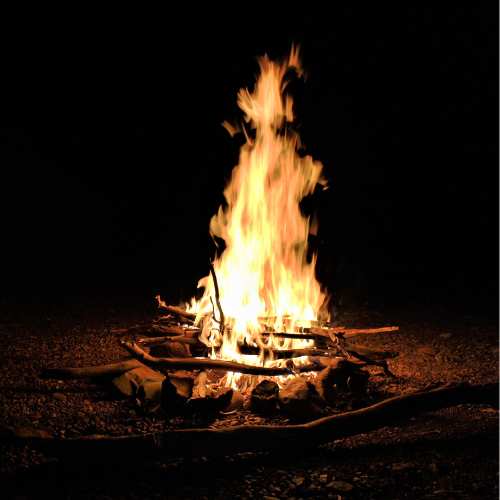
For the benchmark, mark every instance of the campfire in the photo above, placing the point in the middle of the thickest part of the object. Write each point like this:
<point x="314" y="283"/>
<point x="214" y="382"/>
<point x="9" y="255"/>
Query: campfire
<point x="260" y="336"/>
<point x="262" y="313"/>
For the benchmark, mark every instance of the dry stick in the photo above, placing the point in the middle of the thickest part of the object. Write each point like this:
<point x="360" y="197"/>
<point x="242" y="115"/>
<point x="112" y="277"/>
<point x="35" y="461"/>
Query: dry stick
<point x="209" y="364"/>
<point x="301" y="336"/>
<point x="111" y="370"/>
<point x="187" y="316"/>
<point x="164" y="340"/>
<point x="353" y="331"/>
<point x="222" y="324"/>
<point x="270" y="438"/>
<point x="285" y="353"/>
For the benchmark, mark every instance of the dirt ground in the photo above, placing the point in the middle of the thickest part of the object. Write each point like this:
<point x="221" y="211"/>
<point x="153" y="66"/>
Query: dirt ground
<point x="452" y="453"/>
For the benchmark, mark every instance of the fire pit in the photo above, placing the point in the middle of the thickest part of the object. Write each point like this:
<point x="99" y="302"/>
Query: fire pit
<point x="261" y="331"/>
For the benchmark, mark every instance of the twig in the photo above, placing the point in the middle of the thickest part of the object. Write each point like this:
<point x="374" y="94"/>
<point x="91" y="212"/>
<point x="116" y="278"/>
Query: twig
<point x="217" y="299"/>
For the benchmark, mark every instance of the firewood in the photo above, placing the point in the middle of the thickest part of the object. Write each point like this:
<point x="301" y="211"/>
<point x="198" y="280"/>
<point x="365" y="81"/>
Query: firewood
<point x="268" y="438"/>
<point x="210" y="364"/>
<point x="90" y="372"/>
<point x="163" y="340"/>
<point x="350" y="332"/>
<point x="186" y="316"/>
<point x="200" y="385"/>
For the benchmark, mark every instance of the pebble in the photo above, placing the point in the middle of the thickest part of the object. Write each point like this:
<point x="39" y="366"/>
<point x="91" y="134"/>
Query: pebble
<point x="340" y="486"/>
<point x="433" y="468"/>
<point x="59" y="396"/>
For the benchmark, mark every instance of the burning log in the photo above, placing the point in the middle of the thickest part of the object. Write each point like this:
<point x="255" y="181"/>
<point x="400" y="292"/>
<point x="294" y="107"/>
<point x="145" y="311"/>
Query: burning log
<point x="210" y="364"/>
<point x="270" y="438"/>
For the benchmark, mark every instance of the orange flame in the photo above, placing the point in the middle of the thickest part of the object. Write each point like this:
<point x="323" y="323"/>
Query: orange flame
<point x="263" y="272"/>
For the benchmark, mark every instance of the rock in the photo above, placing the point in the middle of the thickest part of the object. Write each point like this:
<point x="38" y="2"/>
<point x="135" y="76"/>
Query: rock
<point x="236" y="403"/>
<point x="427" y="351"/>
<point x="298" y="480"/>
<point x="150" y="391"/>
<point x="264" y="396"/>
<point x="446" y="335"/>
<point x="31" y="433"/>
<point x="129" y="382"/>
<point x="340" y="376"/>
<point x="176" y="391"/>
<point x="59" y="396"/>
<point x="402" y="466"/>
<point x="220" y="400"/>
<point x="340" y="486"/>
<point x="433" y="468"/>
<point x="170" y="350"/>
<point x="300" y="399"/>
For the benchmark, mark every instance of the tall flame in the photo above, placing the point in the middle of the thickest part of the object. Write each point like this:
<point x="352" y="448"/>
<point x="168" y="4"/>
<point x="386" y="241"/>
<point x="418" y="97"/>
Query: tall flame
<point x="263" y="271"/>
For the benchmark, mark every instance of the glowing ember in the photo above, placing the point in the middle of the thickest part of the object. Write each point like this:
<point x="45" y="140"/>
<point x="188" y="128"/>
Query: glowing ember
<point x="263" y="272"/>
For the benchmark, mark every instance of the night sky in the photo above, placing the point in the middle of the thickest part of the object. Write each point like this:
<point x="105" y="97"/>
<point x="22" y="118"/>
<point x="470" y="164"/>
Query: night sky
<point x="115" y="160"/>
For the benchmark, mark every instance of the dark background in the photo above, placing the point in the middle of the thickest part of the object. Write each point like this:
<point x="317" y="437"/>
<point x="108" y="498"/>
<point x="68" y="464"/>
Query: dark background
<point x="115" y="159"/>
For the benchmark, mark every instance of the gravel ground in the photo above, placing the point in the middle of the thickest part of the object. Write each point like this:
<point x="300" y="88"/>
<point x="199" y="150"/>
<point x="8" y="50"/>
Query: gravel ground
<point x="452" y="453"/>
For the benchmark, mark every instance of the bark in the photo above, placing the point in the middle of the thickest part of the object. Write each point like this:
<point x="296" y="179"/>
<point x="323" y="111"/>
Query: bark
<point x="163" y="340"/>
<point x="351" y="332"/>
<point x="209" y="364"/>
<point x="190" y="317"/>
<point x="272" y="438"/>
<point x="90" y="372"/>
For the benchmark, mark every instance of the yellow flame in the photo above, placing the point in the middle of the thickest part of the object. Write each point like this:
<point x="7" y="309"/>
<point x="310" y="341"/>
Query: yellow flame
<point x="263" y="272"/>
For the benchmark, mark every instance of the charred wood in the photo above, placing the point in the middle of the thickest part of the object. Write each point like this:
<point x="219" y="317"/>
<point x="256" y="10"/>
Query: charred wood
<point x="209" y="364"/>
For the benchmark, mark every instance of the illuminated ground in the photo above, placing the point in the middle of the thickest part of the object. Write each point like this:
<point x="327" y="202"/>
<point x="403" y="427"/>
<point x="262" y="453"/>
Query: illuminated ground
<point x="452" y="453"/>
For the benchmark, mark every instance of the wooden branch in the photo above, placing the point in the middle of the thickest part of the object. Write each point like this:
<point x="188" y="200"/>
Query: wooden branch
<point x="163" y="340"/>
<point x="187" y="316"/>
<point x="209" y="364"/>
<point x="111" y="370"/>
<point x="270" y="438"/>
<point x="284" y="353"/>
<point x="222" y="321"/>
<point x="351" y="332"/>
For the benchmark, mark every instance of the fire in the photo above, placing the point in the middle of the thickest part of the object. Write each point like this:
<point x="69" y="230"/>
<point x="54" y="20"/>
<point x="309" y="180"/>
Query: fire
<point x="263" y="271"/>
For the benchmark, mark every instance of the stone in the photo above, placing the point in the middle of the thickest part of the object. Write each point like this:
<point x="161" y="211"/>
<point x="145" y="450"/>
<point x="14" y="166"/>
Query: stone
<point x="59" y="396"/>
<point x="300" y="399"/>
<point x="170" y="350"/>
<point x="427" y="351"/>
<point x="129" y="382"/>
<point x="176" y="391"/>
<point x="235" y="404"/>
<point x="264" y="397"/>
<point x="340" y="377"/>
<point x="31" y="433"/>
<point x="340" y="486"/>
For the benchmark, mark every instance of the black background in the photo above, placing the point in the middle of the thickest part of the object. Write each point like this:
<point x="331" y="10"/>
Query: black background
<point x="115" y="159"/>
